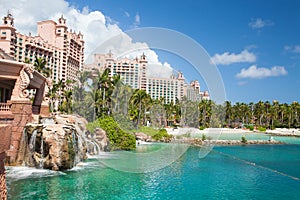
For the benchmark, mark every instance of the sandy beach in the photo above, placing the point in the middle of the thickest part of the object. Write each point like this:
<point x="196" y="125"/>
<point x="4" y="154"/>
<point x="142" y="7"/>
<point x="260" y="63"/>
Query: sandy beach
<point x="207" y="131"/>
<point x="284" y="132"/>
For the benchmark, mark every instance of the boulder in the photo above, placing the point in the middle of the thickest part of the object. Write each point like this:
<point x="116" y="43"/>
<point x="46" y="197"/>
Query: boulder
<point x="101" y="139"/>
<point x="143" y="137"/>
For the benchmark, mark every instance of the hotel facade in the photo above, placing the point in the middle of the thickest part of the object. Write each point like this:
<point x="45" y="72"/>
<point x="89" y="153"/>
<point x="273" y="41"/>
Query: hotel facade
<point x="62" y="49"/>
<point x="169" y="89"/>
<point x="133" y="72"/>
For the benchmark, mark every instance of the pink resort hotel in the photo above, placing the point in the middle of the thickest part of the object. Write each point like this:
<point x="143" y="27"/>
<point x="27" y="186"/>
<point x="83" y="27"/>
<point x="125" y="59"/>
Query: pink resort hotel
<point x="62" y="49"/>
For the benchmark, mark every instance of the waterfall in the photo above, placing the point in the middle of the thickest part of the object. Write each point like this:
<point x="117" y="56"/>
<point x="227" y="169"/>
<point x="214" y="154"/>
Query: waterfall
<point x="57" y="143"/>
<point x="32" y="141"/>
<point x="41" y="163"/>
<point x="75" y="146"/>
<point x="96" y="148"/>
<point x="47" y="121"/>
<point x="23" y="148"/>
<point x="82" y="138"/>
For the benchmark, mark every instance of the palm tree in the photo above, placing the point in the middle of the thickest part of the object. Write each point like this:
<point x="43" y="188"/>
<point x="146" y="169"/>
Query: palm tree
<point x="228" y="111"/>
<point x="80" y="105"/>
<point x="40" y="66"/>
<point x="259" y="111"/>
<point x="251" y="108"/>
<point x="67" y="103"/>
<point x="138" y="103"/>
<point x="205" y="112"/>
<point x="52" y="94"/>
<point x="295" y="107"/>
<point x="267" y="113"/>
<point x="274" y="113"/>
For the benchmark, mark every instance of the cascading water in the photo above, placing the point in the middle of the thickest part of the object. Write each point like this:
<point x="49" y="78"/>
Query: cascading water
<point x="41" y="164"/>
<point x="47" y="121"/>
<point x="75" y="147"/>
<point x="58" y="143"/>
<point x="96" y="148"/>
<point x="32" y="141"/>
<point x="93" y="147"/>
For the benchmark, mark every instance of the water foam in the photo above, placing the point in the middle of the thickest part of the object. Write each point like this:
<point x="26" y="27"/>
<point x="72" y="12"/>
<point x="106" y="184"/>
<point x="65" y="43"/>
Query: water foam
<point x="29" y="172"/>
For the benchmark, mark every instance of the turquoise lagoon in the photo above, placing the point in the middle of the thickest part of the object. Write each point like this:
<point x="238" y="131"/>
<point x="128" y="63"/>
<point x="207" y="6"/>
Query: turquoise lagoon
<point x="227" y="172"/>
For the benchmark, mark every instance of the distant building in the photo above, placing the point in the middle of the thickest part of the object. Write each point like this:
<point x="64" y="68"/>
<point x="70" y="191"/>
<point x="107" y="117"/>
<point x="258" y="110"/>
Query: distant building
<point x="192" y="91"/>
<point x="62" y="49"/>
<point x="132" y="72"/>
<point x="169" y="89"/>
<point x="205" y="95"/>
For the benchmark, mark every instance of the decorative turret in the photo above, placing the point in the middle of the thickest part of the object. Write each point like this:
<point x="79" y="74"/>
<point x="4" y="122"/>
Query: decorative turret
<point x="80" y="36"/>
<point x="62" y="20"/>
<point x="109" y="56"/>
<point x="7" y="35"/>
<point x="143" y="58"/>
<point x="180" y="76"/>
<point x="8" y="20"/>
<point x="61" y="27"/>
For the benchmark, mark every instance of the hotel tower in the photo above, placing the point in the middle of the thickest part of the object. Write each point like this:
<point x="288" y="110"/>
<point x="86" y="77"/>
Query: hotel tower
<point x="61" y="48"/>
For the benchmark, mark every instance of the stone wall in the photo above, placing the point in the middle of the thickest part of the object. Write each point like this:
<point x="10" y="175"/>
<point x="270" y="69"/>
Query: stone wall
<point x="3" y="191"/>
<point x="22" y="111"/>
<point x="5" y="135"/>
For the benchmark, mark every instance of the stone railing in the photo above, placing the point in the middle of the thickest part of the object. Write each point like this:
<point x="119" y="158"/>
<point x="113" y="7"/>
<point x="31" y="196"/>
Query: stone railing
<point x="4" y="107"/>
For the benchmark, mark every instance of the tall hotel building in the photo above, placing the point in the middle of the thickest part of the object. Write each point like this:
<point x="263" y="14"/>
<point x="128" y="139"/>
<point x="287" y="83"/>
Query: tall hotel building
<point x="132" y="72"/>
<point x="169" y="89"/>
<point x="62" y="49"/>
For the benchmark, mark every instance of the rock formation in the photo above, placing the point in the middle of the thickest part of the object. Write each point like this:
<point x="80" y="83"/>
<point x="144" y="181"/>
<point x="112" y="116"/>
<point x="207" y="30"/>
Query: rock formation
<point x="143" y="137"/>
<point x="59" y="143"/>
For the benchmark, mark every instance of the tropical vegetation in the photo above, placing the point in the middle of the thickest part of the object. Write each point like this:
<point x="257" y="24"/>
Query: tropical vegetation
<point x="103" y="96"/>
<point x="106" y="95"/>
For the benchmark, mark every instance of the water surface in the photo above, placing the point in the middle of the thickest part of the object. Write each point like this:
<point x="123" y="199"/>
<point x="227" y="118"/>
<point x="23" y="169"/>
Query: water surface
<point x="231" y="172"/>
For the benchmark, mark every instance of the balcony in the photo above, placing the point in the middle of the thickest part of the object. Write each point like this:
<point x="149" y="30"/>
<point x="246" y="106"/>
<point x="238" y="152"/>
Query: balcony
<point x="6" y="115"/>
<point x="5" y="107"/>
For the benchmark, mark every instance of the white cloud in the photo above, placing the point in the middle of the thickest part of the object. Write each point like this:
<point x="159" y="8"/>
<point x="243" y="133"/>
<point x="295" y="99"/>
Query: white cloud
<point x="127" y="14"/>
<point x="258" y="23"/>
<point x="122" y="46"/>
<point x="137" y="20"/>
<point x="259" y="73"/>
<point x="242" y="83"/>
<point x="94" y="25"/>
<point x="294" y="48"/>
<point x="230" y="58"/>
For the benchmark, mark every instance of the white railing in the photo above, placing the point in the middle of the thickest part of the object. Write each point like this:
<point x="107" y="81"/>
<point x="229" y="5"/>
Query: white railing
<point x="4" y="107"/>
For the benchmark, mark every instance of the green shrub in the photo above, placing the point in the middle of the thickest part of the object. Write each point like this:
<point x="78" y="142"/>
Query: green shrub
<point x="202" y="128"/>
<point x="251" y="128"/>
<point x="162" y="135"/>
<point x="118" y="138"/>
<point x="203" y="137"/>
<point x="261" y="129"/>
<point x="244" y="140"/>
<point x="124" y="122"/>
<point x="148" y="130"/>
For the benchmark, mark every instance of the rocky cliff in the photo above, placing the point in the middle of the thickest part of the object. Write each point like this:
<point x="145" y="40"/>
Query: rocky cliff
<point x="59" y="143"/>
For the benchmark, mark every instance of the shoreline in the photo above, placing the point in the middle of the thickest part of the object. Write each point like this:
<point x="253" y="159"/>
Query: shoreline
<point x="284" y="132"/>
<point x="199" y="142"/>
<point x="194" y="131"/>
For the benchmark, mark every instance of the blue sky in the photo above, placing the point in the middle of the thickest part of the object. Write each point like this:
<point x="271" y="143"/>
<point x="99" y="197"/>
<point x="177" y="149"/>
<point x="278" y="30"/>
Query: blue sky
<point x="255" y="44"/>
<point x="266" y="30"/>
